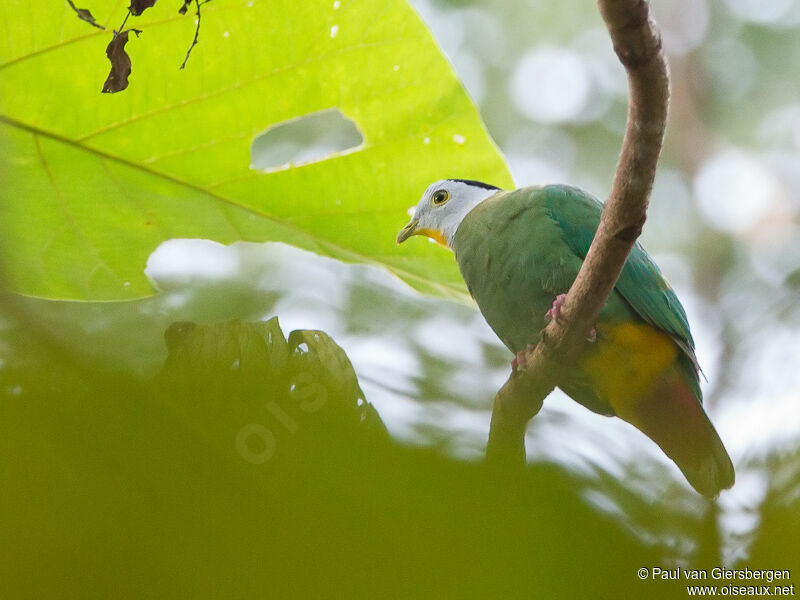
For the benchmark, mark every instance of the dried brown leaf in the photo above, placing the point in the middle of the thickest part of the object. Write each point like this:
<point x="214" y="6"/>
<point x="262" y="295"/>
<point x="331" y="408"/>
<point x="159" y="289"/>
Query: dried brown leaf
<point x="85" y="15"/>
<point x="120" y="62"/>
<point x="137" y="7"/>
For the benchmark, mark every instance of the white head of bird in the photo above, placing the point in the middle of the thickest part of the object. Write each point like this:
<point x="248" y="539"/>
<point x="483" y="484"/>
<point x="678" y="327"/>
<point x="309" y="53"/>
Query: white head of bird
<point x="442" y="208"/>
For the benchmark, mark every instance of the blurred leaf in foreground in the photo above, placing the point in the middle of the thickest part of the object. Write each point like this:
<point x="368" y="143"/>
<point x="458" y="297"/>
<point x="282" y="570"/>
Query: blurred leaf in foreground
<point x="250" y="390"/>
<point x="123" y="484"/>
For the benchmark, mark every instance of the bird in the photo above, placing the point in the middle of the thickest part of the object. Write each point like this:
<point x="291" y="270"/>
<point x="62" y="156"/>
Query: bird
<point x="519" y="252"/>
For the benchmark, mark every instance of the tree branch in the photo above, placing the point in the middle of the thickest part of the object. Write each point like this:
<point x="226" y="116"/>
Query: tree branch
<point x="637" y="43"/>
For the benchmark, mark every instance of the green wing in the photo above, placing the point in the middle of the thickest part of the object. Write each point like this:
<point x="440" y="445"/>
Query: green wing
<point x="641" y="284"/>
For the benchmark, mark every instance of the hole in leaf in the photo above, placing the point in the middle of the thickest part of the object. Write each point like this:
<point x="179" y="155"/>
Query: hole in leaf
<point x="179" y="262"/>
<point x="305" y="140"/>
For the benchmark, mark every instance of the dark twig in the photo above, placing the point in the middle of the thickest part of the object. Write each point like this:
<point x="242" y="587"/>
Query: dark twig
<point x="85" y="15"/>
<point x="196" y="29"/>
<point x="122" y="27"/>
<point x="638" y="45"/>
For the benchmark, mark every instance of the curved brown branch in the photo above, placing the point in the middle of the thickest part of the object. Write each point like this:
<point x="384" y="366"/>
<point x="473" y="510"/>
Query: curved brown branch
<point x="638" y="45"/>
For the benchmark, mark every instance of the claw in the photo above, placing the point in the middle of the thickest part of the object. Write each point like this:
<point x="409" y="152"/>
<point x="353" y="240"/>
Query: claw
<point x="554" y="313"/>
<point x="555" y="310"/>
<point x="520" y="363"/>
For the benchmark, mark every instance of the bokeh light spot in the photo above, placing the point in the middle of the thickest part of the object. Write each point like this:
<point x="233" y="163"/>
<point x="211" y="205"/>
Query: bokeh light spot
<point x="551" y="85"/>
<point x="734" y="190"/>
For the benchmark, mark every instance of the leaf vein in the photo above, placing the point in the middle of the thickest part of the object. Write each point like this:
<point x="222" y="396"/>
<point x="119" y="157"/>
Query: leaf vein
<point x="68" y="217"/>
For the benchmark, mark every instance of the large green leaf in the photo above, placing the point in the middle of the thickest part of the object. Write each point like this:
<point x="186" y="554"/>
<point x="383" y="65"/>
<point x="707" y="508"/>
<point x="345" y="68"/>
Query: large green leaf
<point x="92" y="183"/>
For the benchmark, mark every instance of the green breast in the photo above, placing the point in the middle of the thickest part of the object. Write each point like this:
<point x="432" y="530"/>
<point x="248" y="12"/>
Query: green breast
<point x="518" y="250"/>
<point x="514" y="260"/>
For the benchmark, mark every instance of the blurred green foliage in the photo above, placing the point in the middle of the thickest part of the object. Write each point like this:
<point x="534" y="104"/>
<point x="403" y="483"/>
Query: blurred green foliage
<point x="138" y="487"/>
<point x="135" y="488"/>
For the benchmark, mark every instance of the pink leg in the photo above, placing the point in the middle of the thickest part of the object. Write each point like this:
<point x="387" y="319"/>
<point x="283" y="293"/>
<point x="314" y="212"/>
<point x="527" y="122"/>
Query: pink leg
<point x="555" y="310"/>
<point x="519" y="363"/>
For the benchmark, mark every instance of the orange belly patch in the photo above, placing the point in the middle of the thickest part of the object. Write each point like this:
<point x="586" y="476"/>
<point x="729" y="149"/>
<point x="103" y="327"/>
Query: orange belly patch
<point x="628" y="360"/>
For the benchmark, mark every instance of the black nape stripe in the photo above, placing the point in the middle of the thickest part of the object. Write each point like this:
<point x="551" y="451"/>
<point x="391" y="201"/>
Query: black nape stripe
<point x="480" y="184"/>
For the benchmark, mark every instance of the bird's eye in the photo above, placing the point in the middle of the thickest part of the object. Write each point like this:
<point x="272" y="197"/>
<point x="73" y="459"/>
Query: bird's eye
<point x="440" y="197"/>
